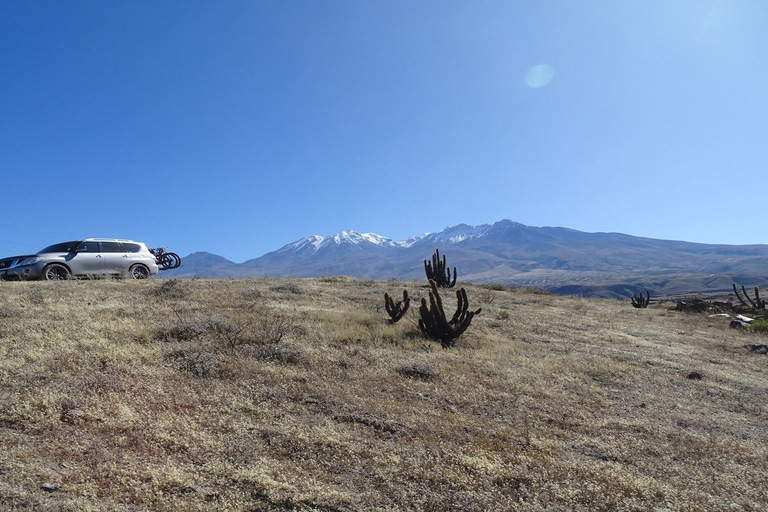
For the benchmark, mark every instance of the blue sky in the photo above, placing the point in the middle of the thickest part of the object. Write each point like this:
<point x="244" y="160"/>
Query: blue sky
<point x="236" y="127"/>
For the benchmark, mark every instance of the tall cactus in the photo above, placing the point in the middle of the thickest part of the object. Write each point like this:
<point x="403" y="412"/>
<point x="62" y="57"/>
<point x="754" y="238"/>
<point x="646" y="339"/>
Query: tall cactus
<point x="756" y="304"/>
<point x="439" y="272"/>
<point x="433" y="322"/>
<point x="396" y="310"/>
<point x="638" y="301"/>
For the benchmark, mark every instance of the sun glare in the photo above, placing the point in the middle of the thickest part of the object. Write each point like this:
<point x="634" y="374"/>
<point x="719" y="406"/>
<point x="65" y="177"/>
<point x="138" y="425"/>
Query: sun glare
<point x="539" y="76"/>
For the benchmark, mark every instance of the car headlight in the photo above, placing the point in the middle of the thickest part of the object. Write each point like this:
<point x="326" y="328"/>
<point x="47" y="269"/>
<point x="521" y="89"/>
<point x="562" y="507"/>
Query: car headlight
<point x="28" y="261"/>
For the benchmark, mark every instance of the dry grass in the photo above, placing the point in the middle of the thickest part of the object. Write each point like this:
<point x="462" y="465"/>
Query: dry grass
<point x="170" y="395"/>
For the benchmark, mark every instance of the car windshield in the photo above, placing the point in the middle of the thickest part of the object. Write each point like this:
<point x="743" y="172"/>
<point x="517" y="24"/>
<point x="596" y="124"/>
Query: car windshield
<point x="62" y="247"/>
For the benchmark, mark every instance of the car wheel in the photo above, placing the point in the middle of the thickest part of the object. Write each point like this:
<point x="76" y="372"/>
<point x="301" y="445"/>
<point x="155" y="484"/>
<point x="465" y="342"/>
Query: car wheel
<point x="139" y="272"/>
<point x="55" y="272"/>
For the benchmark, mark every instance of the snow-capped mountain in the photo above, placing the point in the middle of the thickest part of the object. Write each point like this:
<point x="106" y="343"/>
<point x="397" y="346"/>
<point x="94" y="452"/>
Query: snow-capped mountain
<point x="507" y="252"/>
<point x="313" y="244"/>
<point x="451" y="235"/>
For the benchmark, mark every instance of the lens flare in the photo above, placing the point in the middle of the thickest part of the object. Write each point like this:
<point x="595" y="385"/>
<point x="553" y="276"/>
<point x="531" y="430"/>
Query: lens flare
<point x="539" y="76"/>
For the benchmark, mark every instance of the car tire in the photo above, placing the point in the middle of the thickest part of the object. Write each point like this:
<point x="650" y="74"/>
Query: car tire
<point x="139" y="272"/>
<point x="55" y="272"/>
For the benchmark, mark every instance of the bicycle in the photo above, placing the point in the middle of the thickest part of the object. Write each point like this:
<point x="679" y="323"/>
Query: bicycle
<point x="166" y="260"/>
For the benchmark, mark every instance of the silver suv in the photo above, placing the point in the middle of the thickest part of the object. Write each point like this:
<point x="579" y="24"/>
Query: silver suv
<point x="92" y="256"/>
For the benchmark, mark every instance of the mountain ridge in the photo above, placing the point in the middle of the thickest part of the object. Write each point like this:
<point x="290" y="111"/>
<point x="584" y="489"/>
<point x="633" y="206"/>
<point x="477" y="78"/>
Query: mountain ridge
<point x="507" y="252"/>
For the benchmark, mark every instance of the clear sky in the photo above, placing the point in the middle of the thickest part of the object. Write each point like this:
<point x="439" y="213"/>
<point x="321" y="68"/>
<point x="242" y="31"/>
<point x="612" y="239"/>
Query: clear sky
<point x="236" y="127"/>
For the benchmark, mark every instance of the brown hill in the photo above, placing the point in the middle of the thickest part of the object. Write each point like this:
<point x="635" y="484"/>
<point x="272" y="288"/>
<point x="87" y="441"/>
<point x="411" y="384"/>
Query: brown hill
<point x="273" y="394"/>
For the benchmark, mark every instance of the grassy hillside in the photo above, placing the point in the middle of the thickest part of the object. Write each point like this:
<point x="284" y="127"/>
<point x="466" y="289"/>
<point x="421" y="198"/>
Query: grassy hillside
<point x="272" y="394"/>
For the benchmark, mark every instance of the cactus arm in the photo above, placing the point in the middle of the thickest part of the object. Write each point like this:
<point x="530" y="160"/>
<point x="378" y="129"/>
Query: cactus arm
<point x="760" y="303"/>
<point x="389" y="305"/>
<point x="406" y="301"/>
<point x="428" y="269"/>
<point x="737" y="294"/>
<point x="748" y="297"/>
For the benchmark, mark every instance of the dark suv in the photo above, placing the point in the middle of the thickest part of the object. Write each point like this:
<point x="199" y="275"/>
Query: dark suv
<point x="92" y="256"/>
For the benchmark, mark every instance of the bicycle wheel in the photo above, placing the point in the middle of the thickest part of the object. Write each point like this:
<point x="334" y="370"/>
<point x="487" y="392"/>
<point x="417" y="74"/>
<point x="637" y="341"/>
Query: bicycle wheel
<point x="174" y="260"/>
<point x="165" y="262"/>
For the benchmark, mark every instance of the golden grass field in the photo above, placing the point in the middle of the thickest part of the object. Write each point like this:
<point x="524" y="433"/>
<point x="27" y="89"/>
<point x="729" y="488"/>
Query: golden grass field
<point x="297" y="394"/>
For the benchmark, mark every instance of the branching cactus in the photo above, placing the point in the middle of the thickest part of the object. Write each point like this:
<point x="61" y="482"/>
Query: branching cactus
<point x="756" y="304"/>
<point x="433" y="322"/>
<point x="439" y="272"/>
<point x="638" y="301"/>
<point x="396" y="310"/>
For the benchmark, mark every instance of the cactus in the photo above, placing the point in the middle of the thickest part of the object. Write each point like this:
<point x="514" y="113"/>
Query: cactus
<point x="756" y="304"/>
<point x="396" y="310"/>
<point x="438" y="272"/>
<point x="638" y="301"/>
<point x="433" y="322"/>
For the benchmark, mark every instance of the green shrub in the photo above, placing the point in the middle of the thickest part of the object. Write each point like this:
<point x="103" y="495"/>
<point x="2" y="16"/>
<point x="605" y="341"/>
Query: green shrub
<point x="760" y="326"/>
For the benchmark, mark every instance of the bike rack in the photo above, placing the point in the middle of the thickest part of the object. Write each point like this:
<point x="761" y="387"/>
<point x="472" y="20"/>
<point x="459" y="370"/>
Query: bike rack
<point x="165" y="260"/>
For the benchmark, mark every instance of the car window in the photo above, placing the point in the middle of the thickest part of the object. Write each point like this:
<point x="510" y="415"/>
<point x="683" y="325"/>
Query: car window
<point x="131" y="247"/>
<point x="88" y="247"/>
<point x="111" y="247"/>
<point x="62" y="247"/>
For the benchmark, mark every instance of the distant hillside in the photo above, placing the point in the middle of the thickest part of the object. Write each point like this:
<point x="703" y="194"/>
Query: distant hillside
<point x="553" y="258"/>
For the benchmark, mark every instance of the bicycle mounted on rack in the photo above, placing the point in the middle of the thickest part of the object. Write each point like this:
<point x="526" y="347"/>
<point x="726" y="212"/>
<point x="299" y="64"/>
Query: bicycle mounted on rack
<point x="165" y="260"/>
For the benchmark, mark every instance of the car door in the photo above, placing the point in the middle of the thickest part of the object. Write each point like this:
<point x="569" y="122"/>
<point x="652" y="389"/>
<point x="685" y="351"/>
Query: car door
<point x="116" y="258"/>
<point x="86" y="259"/>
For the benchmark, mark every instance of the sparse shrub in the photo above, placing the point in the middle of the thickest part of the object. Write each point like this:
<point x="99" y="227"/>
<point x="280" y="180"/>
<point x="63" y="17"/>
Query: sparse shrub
<point x="101" y="277"/>
<point x="287" y="287"/>
<point x="760" y="326"/>
<point x="227" y="331"/>
<point x="536" y="291"/>
<point x="261" y="326"/>
<point x="285" y="353"/>
<point x="171" y="289"/>
<point x="498" y="287"/>
<point x="251" y="294"/>
<point x="335" y="279"/>
<point x="187" y="330"/>
<point x="199" y="364"/>
<point x="418" y="370"/>
<point x="273" y="327"/>
<point x="486" y="297"/>
<point x="693" y="305"/>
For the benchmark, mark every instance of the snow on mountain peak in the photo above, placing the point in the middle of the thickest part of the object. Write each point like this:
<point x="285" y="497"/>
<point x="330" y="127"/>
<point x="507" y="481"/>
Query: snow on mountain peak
<point x="312" y="243"/>
<point x="355" y="238"/>
<point x="348" y="237"/>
